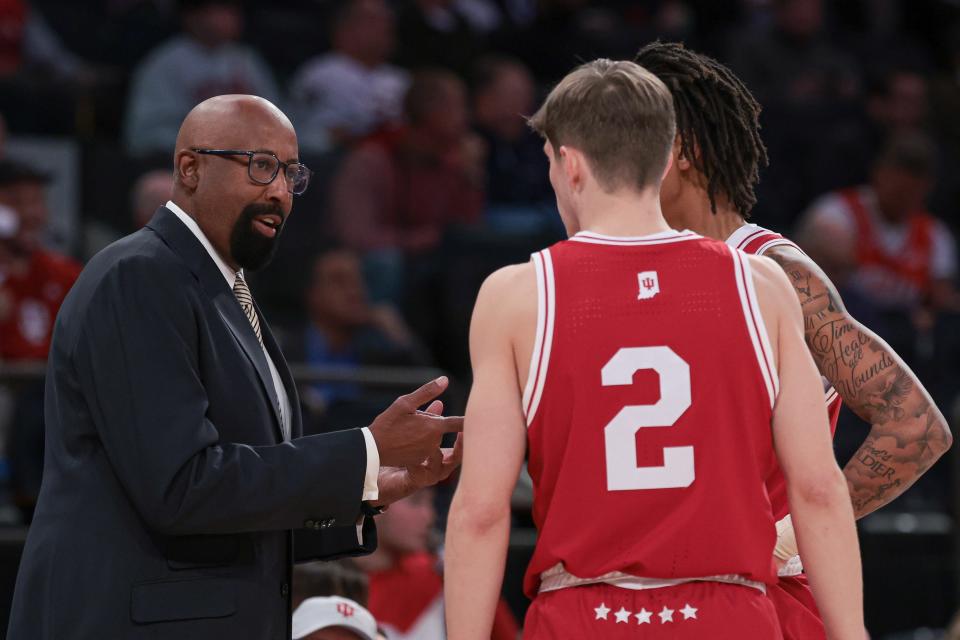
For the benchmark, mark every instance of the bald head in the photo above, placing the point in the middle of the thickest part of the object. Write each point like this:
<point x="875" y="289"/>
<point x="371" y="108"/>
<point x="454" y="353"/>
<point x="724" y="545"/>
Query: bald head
<point x="223" y="122"/>
<point x="216" y="189"/>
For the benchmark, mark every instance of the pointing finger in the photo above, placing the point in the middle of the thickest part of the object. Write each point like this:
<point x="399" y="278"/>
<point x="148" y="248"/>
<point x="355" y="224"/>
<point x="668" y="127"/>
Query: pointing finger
<point x="424" y="394"/>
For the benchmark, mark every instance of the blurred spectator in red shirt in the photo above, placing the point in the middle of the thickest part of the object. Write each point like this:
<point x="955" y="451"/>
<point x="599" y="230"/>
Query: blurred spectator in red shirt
<point x="33" y="280"/>
<point x="33" y="284"/>
<point x="901" y="256"/>
<point x="406" y="576"/>
<point x="351" y="91"/>
<point x="402" y="190"/>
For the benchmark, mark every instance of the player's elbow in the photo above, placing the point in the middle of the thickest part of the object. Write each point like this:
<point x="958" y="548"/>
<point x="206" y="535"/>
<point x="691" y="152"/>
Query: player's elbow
<point x="823" y="488"/>
<point x="944" y="439"/>
<point x="480" y="516"/>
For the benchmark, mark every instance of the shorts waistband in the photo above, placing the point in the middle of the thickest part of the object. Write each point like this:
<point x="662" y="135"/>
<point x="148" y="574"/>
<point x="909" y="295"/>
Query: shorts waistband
<point x="559" y="578"/>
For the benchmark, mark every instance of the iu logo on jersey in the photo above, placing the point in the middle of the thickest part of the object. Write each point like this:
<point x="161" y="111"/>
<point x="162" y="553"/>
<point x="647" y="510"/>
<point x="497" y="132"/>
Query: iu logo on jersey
<point x="345" y="610"/>
<point x="649" y="284"/>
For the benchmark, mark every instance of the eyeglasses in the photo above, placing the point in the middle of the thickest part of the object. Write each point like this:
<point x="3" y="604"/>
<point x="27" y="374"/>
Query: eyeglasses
<point x="263" y="167"/>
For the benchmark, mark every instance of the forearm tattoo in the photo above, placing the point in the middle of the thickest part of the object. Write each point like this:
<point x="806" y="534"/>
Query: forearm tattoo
<point x="908" y="433"/>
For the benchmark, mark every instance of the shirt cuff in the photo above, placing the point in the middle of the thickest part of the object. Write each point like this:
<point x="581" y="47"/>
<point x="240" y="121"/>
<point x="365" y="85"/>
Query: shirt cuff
<point x="370" y="489"/>
<point x="360" y="531"/>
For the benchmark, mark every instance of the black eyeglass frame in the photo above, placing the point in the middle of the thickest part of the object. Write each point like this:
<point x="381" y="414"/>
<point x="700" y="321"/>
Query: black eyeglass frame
<point x="250" y="154"/>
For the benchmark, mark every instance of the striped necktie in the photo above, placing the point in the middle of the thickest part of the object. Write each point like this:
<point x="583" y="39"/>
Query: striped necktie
<point x="242" y="292"/>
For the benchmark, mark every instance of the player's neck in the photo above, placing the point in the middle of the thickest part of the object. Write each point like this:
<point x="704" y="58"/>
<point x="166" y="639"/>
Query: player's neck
<point x="703" y="221"/>
<point x="623" y="214"/>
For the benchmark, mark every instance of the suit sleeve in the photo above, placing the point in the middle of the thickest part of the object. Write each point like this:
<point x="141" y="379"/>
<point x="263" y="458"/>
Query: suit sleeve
<point x="339" y="542"/>
<point x="136" y="360"/>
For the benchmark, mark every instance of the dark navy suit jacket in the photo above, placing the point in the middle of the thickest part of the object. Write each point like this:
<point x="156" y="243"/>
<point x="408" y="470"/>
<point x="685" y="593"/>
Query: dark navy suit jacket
<point x="169" y="499"/>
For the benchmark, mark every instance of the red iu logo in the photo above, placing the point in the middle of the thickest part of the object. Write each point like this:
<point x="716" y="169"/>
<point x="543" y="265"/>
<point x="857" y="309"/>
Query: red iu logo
<point x="648" y="283"/>
<point x="345" y="610"/>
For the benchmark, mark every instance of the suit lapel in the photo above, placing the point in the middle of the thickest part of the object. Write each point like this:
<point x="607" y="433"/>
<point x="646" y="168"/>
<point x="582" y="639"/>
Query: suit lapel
<point x="295" y="417"/>
<point x="188" y="247"/>
<point x="236" y="321"/>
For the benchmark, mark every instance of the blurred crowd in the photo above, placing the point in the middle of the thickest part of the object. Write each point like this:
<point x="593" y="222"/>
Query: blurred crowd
<point x="426" y="177"/>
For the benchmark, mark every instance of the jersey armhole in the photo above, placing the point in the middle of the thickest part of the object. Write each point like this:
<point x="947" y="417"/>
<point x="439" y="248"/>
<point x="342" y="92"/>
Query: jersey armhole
<point x="756" y="327"/>
<point x="777" y="242"/>
<point x="540" y="357"/>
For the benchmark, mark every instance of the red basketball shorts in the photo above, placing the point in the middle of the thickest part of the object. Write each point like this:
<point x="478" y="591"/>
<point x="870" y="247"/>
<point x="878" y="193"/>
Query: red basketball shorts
<point x="689" y="611"/>
<point x="796" y="609"/>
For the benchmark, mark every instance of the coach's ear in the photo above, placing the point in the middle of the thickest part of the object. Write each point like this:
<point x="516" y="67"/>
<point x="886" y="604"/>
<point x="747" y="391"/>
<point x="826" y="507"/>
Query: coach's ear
<point x="186" y="169"/>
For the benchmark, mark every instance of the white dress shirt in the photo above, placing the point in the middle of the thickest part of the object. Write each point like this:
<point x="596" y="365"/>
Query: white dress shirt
<point x="370" y="489"/>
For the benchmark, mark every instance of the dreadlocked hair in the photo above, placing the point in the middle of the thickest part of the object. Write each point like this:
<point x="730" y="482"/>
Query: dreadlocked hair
<point x="717" y="119"/>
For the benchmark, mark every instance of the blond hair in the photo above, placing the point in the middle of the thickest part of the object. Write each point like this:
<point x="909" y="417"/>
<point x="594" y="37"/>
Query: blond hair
<point x="619" y="115"/>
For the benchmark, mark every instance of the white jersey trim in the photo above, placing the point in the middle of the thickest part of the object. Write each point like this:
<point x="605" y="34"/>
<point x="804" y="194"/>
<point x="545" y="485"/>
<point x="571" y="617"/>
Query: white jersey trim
<point x="749" y="232"/>
<point x="755" y="325"/>
<point x="664" y="237"/>
<point x="743" y="235"/>
<point x="830" y="395"/>
<point x="557" y="577"/>
<point x="546" y="313"/>
<point x="777" y="242"/>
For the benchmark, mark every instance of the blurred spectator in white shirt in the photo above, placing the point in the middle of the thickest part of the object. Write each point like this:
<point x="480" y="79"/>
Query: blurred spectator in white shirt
<point x="204" y="61"/>
<point x="350" y="91"/>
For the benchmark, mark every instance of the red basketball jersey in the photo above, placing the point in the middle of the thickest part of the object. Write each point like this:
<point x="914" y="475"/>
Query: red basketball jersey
<point x="648" y="407"/>
<point x="753" y="239"/>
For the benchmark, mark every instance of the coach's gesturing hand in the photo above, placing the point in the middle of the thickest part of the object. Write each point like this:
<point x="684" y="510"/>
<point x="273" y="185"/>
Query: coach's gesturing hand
<point x="406" y="436"/>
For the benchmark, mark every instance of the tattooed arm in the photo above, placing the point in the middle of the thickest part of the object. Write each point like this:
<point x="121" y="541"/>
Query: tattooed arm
<point x="908" y="432"/>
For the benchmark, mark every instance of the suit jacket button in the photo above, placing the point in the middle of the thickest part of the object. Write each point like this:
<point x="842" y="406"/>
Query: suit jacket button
<point x="284" y="590"/>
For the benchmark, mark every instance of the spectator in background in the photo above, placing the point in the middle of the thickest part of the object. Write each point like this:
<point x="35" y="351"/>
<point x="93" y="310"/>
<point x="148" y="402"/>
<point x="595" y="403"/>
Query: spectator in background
<point x="896" y="101"/>
<point x="28" y="44"/>
<point x="518" y="184"/>
<point x="150" y="192"/>
<point x="794" y="63"/>
<point x="808" y="88"/>
<point x="346" y="330"/>
<point x="33" y="284"/>
<point x="334" y="578"/>
<point x="406" y="575"/>
<point x="351" y="91"/>
<point x="402" y="190"/>
<point x="901" y="257"/>
<point x="204" y="61"/>
<point x="333" y="618"/>
<point x="436" y="32"/>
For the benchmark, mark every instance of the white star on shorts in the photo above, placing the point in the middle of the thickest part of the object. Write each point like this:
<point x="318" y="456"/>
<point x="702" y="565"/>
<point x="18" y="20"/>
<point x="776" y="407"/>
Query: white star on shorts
<point x="688" y="612"/>
<point x="643" y="617"/>
<point x="602" y="611"/>
<point x="622" y="616"/>
<point x="666" y="615"/>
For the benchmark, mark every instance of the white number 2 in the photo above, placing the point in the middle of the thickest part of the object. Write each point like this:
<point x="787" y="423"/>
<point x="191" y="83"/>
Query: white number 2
<point x="623" y="474"/>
